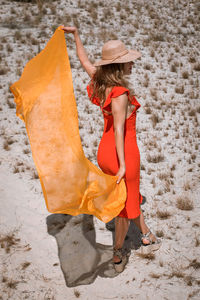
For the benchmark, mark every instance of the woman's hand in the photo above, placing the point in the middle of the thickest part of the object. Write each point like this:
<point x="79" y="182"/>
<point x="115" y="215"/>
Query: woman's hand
<point x="69" y="29"/>
<point x="120" y="174"/>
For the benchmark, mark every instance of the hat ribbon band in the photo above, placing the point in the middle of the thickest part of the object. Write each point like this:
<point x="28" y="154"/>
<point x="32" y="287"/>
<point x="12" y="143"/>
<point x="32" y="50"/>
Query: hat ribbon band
<point x="121" y="54"/>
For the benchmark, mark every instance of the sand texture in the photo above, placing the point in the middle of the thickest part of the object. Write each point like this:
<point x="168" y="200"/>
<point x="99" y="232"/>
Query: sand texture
<point x="59" y="257"/>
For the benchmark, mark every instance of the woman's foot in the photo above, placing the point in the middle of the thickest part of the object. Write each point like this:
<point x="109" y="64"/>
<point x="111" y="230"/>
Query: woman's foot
<point x="119" y="260"/>
<point x="149" y="242"/>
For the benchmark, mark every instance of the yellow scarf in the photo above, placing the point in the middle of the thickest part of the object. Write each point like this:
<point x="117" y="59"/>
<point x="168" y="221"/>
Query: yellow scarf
<point x="45" y="101"/>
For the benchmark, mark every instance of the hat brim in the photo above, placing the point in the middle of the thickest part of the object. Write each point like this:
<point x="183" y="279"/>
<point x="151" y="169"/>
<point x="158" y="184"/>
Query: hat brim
<point x="130" y="56"/>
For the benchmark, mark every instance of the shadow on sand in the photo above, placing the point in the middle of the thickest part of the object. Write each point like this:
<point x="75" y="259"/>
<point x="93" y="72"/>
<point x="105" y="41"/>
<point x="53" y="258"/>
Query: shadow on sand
<point x="81" y="258"/>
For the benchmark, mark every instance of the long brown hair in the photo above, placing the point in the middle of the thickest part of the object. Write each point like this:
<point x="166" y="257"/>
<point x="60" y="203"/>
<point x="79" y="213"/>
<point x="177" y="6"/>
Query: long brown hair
<point x="108" y="76"/>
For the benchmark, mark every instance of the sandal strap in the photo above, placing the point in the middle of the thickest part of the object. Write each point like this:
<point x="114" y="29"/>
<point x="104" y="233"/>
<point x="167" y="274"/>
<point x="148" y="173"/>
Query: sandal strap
<point x="146" y="235"/>
<point x="118" y="252"/>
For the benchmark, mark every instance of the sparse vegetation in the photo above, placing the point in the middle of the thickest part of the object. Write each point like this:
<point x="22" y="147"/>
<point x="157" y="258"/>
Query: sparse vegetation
<point x="35" y="175"/>
<point x="155" y="119"/>
<point x="26" y="151"/>
<point x="176" y="273"/>
<point x="197" y="241"/>
<point x="6" y="145"/>
<point x="9" y="240"/>
<point x="160" y="233"/>
<point x="149" y="256"/>
<point x="184" y="203"/>
<point x="179" y="89"/>
<point x="25" y="265"/>
<point x="11" y="104"/>
<point x="155" y="275"/>
<point x="12" y="284"/>
<point x="77" y="293"/>
<point x="167" y="82"/>
<point x="163" y="214"/>
<point x="196" y="67"/>
<point x="195" y="264"/>
<point x="156" y="158"/>
<point x="185" y="75"/>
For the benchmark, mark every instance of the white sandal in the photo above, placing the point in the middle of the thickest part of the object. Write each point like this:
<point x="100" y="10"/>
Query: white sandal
<point x="120" y="266"/>
<point x="152" y="245"/>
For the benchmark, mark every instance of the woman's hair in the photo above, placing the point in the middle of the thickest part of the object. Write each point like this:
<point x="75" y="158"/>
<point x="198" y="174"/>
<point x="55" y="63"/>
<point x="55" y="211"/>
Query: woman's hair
<point x="108" y="76"/>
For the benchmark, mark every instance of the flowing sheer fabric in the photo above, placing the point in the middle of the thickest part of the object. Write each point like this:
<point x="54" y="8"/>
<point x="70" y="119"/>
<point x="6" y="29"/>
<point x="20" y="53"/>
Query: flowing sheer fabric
<point x="45" y="101"/>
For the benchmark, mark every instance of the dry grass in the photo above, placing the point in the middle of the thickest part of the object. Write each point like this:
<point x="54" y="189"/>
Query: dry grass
<point x="189" y="280"/>
<point x="196" y="67"/>
<point x="193" y="293"/>
<point x="16" y="170"/>
<point x="35" y="175"/>
<point x="159" y="233"/>
<point x="6" y="146"/>
<point x="194" y="264"/>
<point x="196" y="224"/>
<point x="185" y="74"/>
<point x="11" y="104"/>
<point x="148" y="67"/>
<point x="7" y="241"/>
<point x="176" y="273"/>
<point x="197" y="241"/>
<point x="184" y="203"/>
<point x="149" y="256"/>
<point x="75" y="242"/>
<point x="155" y="119"/>
<point x="25" y="265"/>
<point x="192" y="113"/>
<point x="155" y="275"/>
<point x="153" y="182"/>
<point x="155" y="158"/>
<point x="12" y="284"/>
<point x="192" y="59"/>
<point x="146" y="83"/>
<point x="153" y="93"/>
<point x="95" y="143"/>
<point x="3" y="70"/>
<point x="187" y="186"/>
<point x="9" y="48"/>
<point x="77" y="293"/>
<point x="147" y="110"/>
<point x="163" y="214"/>
<point x="173" y="68"/>
<point x="26" y="151"/>
<point x="179" y="89"/>
<point x="162" y="176"/>
<point x="161" y="264"/>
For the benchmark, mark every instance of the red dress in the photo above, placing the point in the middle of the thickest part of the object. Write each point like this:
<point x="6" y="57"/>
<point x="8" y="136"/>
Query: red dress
<point x="107" y="154"/>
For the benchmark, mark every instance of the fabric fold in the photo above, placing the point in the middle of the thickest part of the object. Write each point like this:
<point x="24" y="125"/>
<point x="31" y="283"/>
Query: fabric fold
<point x="45" y="101"/>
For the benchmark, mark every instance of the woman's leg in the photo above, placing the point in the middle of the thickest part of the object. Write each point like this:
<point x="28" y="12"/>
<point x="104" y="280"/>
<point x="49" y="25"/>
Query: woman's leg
<point x="121" y="229"/>
<point x="140" y="223"/>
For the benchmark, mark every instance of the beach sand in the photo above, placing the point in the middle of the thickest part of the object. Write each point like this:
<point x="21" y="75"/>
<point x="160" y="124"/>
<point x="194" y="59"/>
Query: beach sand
<point x="53" y="256"/>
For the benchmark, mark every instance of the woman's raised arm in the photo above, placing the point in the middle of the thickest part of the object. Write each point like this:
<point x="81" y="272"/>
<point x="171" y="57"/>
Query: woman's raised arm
<point x="119" y="111"/>
<point x="81" y="52"/>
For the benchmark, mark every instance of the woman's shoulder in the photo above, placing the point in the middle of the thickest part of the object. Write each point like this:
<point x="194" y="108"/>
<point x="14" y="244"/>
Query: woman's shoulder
<point x="118" y="91"/>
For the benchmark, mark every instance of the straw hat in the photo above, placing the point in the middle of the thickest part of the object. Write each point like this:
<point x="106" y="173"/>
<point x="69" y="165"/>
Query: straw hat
<point x="114" y="51"/>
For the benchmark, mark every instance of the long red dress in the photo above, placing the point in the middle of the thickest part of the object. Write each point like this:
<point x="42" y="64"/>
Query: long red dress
<point x="107" y="154"/>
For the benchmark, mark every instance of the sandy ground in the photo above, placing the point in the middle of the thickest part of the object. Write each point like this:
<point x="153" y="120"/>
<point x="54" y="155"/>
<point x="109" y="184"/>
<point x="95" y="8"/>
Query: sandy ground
<point x="46" y="256"/>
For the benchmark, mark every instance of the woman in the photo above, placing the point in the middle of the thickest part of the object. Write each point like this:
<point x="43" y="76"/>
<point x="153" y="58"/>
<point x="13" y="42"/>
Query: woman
<point x="118" y="153"/>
